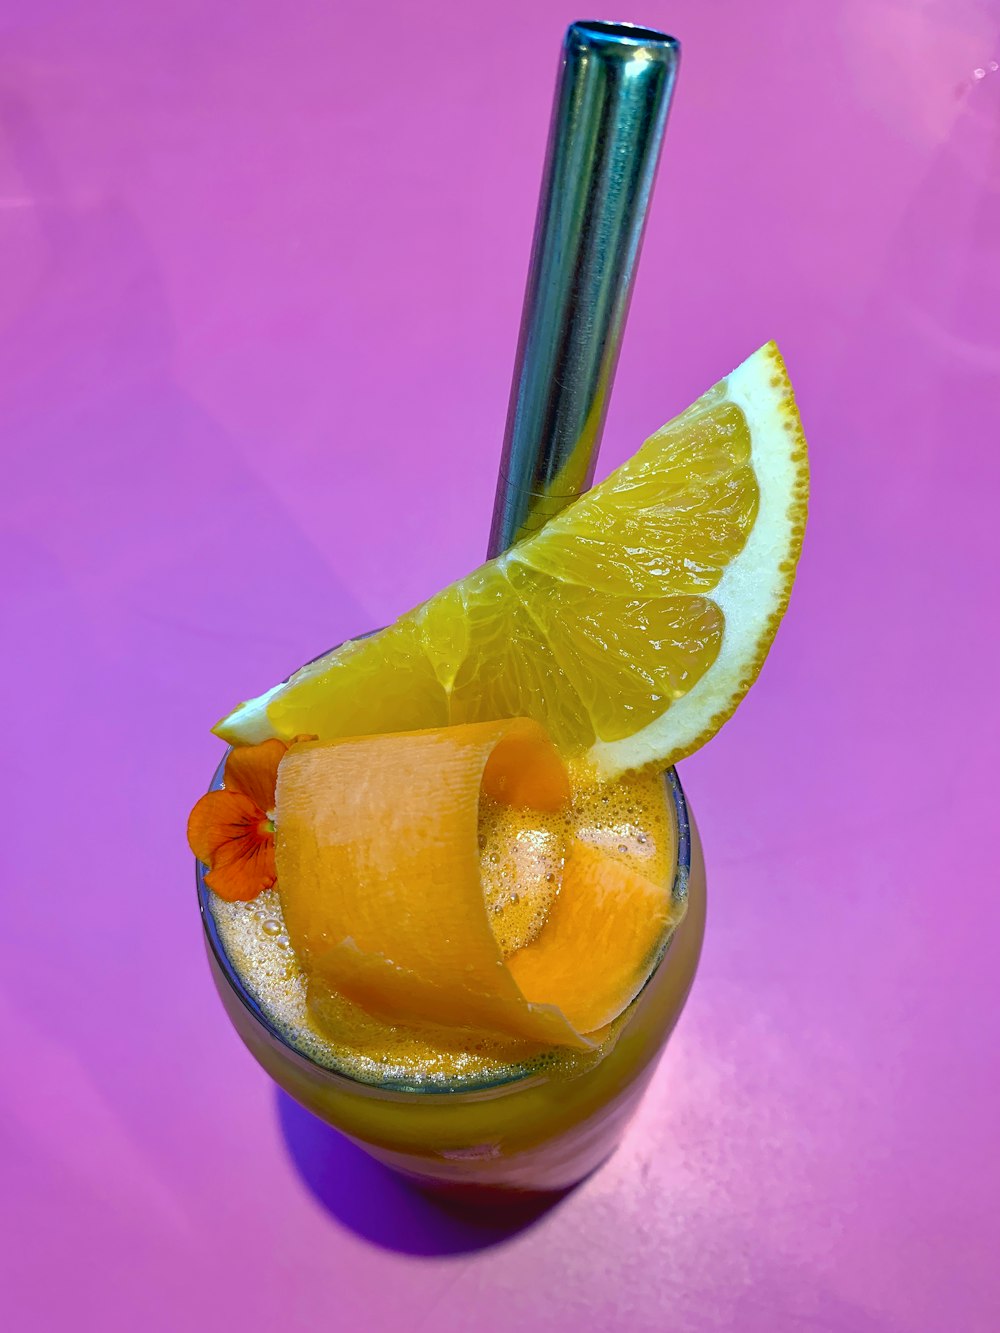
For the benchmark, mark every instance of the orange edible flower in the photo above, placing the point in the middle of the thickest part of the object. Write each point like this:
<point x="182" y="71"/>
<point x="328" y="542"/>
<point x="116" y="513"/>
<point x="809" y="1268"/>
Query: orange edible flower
<point x="232" y="831"/>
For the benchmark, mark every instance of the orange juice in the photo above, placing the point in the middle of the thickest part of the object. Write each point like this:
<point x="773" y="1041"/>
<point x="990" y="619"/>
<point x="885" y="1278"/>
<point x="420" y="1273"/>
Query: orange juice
<point x="461" y="1111"/>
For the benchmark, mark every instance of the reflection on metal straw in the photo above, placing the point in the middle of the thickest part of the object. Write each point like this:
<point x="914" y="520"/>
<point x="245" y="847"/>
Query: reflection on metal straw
<point x="610" y="111"/>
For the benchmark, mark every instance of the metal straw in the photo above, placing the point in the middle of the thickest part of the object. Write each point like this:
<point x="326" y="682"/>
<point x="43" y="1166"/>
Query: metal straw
<point x="612" y="97"/>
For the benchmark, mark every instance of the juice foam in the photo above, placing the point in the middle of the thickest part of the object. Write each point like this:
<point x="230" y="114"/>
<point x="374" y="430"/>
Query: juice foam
<point x="521" y="859"/>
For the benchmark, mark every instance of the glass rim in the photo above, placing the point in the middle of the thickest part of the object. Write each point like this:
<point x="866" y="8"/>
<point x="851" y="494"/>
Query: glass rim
<point x="520" y="1075"/>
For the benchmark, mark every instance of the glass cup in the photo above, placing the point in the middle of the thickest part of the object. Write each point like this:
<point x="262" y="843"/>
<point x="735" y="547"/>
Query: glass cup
<point x="529" y="1132"/>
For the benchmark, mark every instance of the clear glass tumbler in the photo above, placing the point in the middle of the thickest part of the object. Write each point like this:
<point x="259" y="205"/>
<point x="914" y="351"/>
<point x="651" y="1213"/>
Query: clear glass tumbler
<point x="526" y="1133"/>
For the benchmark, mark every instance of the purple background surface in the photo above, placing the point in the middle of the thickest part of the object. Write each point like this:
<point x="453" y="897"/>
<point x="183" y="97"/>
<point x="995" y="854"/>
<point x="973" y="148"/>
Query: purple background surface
<point x="261" y="268"/>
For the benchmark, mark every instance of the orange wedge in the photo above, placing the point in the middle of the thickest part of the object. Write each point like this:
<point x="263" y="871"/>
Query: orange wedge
<point x="631" y="625"/>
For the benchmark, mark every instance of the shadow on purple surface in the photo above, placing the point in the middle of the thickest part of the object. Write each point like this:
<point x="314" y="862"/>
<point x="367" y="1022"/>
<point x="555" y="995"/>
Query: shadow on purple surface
<point x="377" y="1205"/>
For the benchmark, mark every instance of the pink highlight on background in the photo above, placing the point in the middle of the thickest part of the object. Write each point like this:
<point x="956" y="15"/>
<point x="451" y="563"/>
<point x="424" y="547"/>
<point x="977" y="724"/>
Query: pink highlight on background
<point x="260" y="276"/>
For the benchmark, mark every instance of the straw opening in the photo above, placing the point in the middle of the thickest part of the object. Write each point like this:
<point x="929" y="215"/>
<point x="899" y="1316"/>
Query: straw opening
<point x="622" y="32"/>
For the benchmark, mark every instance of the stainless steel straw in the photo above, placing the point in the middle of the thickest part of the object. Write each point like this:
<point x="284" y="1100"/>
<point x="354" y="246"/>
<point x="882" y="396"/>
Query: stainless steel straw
<point x="612" y="97"/>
